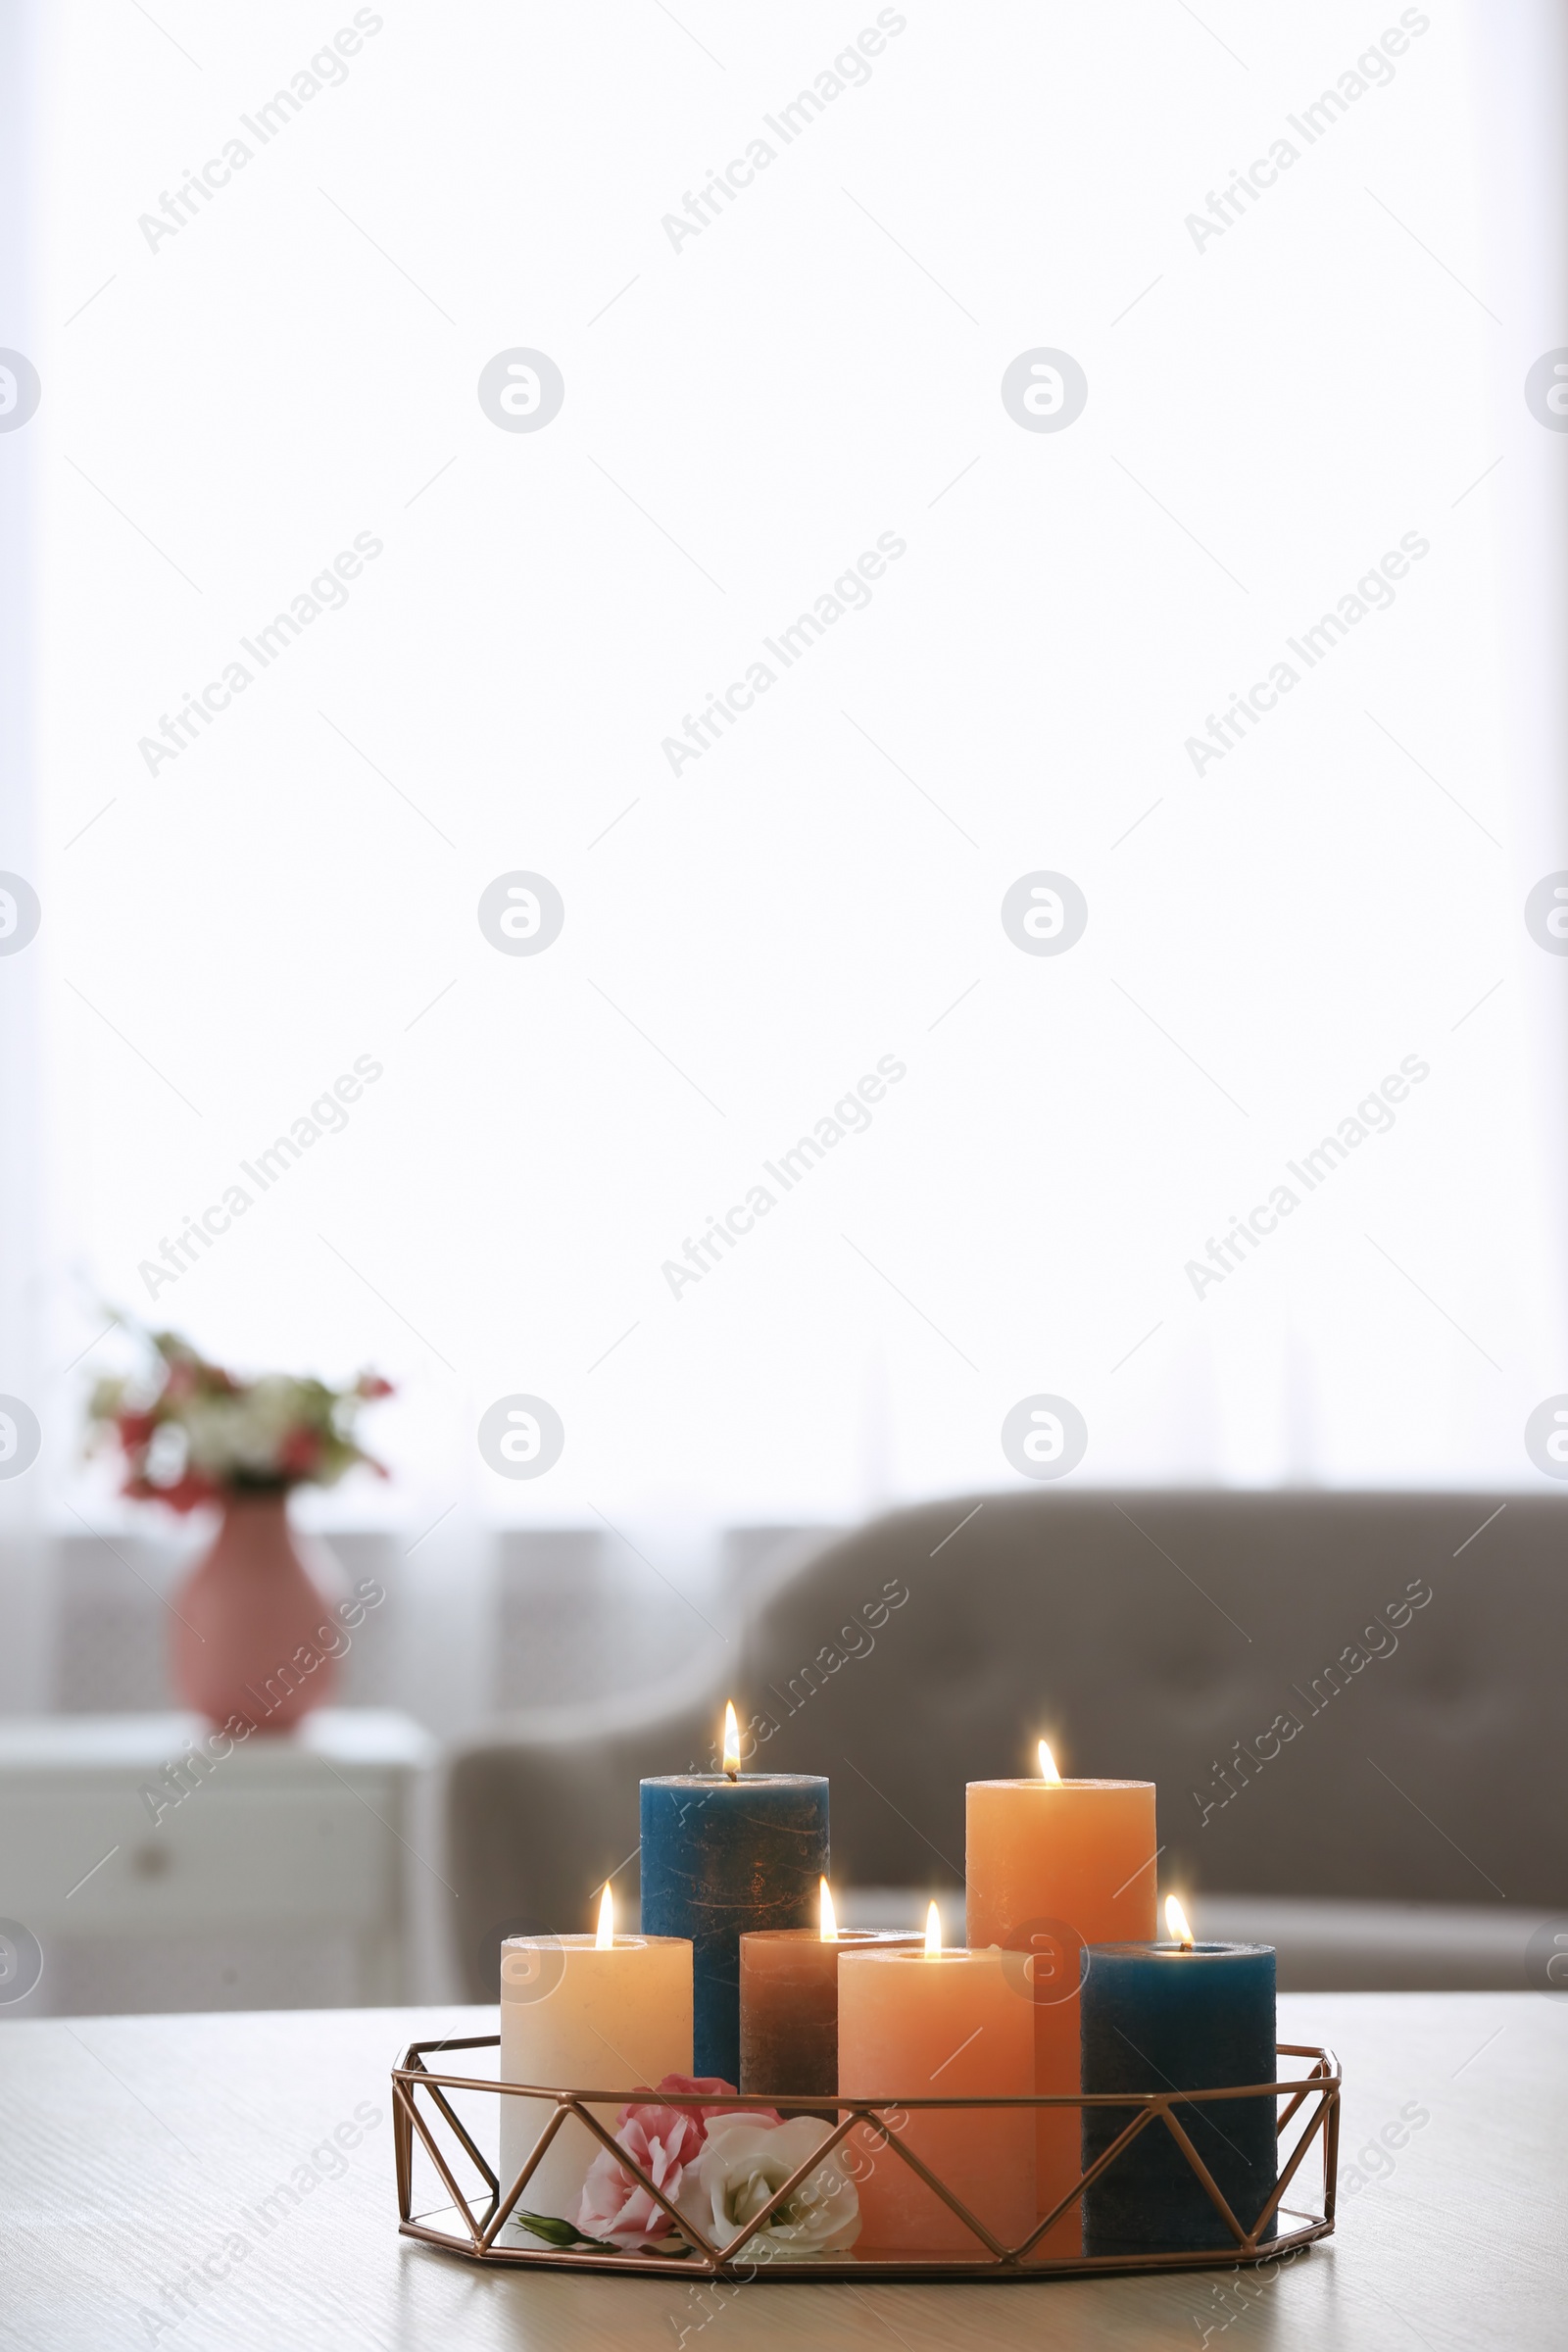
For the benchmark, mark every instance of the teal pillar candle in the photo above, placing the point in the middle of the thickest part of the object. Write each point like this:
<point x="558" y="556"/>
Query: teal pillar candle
<point x="720" y="1859"/>
<point x="1169" y="2017"/>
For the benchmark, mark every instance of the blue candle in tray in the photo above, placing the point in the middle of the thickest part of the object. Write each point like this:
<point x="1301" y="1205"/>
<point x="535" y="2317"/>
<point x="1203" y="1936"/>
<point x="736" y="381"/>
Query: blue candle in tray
<point x="1179" y="2016"/>
<point x="725" y="1853"/>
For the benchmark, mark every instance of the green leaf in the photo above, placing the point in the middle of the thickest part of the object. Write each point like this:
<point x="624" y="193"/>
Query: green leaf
<point x="553" y="2230"/>
<point x="557" y="2233"/>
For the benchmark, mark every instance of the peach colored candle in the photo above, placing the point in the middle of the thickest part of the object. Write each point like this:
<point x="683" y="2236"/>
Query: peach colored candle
<point x="585" y="2013"/>
<point x="939" y="2025"/>
<point x="1054" y="1865"/>
<point x="790" y="2006"/>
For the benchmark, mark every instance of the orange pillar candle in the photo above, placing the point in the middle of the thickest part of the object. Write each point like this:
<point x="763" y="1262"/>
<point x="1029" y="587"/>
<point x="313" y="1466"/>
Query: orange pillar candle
<point x="1054" y="1865"/>
<point x="939" y="2025"/>
<point x="790" y="2002"/>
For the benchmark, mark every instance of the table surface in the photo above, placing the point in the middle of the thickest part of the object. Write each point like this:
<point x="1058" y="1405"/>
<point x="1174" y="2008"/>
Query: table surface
<point x="30" y="1744"/>
<point x="137" y="2154"/>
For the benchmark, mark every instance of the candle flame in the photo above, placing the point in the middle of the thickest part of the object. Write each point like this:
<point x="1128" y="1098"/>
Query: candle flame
<point x="732" y="1741"/>
<point x="605" y="1933"/>
<point x="1176" y="1921"/>
<point x="828" y="1930"/>
<point x="933" y="1933"/>
<point x="1048" y="1764"/>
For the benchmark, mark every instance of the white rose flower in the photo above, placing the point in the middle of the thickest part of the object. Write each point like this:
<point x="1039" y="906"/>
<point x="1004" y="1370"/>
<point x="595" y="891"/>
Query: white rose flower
<point x="741" y="2166"/>
<point x="239" y="1436"/>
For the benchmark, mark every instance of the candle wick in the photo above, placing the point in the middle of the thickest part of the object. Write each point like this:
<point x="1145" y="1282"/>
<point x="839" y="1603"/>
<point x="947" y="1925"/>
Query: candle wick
<point x="731" y="1776"/>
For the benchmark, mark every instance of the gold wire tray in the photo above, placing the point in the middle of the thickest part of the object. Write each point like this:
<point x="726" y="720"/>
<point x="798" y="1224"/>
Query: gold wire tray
<point x="485" y="2210"/>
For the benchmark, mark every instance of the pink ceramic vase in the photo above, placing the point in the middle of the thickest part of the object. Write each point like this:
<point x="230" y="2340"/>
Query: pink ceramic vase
<point x="254" y="1632"/>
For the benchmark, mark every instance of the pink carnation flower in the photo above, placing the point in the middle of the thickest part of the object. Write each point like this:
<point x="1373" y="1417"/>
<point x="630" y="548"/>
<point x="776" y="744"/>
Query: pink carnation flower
<point x="662" y="2142"/>
<point x="616" y="2208"/>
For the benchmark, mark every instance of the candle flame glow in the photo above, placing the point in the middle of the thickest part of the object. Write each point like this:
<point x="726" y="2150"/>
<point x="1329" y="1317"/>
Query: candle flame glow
<point x="732" y="1741"/>
<point x="828" y="1929"/>
<point x="1048" y="1764"/>
<point x="605" y="1933"/>
<point x="933" y="1933"/>
<point x="1176" y="1921"/>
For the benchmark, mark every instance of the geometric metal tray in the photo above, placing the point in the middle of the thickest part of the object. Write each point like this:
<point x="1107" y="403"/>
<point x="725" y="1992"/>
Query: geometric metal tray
<point x="479" y="2211"/>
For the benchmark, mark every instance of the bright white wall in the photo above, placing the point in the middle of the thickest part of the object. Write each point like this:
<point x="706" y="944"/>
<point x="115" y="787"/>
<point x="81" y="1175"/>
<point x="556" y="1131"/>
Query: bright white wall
<point x="1267" y="414"/>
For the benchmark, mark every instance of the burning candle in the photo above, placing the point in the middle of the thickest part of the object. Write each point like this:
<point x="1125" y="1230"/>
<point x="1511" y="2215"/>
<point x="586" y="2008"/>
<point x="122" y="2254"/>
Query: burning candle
<point x="1054" y="1865"/>
<point x="1178" y="2016"/>
<point x="726" y="1854"/>
<point x="940" y="2024"/>
<point x="790" y="2001"/>
<point x="585" y="2013"/>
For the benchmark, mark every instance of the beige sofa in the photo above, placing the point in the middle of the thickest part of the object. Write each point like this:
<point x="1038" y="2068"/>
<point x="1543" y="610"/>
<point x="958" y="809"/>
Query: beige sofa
<point x="1352" y="1705"/>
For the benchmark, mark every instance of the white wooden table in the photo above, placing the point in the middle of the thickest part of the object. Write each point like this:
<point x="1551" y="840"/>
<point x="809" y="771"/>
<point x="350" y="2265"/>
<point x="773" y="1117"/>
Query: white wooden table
<point x="276" y="1876"/>
<point x="226" y="2183"/>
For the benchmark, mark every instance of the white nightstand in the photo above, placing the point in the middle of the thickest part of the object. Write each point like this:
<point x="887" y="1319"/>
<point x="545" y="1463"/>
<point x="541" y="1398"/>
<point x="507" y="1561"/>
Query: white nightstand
<point x="280" y="1880"/>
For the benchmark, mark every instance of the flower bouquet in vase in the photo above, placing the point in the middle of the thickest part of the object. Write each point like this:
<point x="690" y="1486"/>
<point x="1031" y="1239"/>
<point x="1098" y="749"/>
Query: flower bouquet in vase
<point x="254" y="1634"/>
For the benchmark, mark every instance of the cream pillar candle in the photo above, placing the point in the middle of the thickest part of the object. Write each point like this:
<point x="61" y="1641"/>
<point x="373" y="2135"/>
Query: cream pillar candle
<point x="583" y="2013"/>
<point x="1054" y="1865"/>
<point x="940" y="2024"/>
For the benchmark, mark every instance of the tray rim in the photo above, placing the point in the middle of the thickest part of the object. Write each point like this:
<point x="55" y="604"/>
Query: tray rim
<point x="730" y="2264"/>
